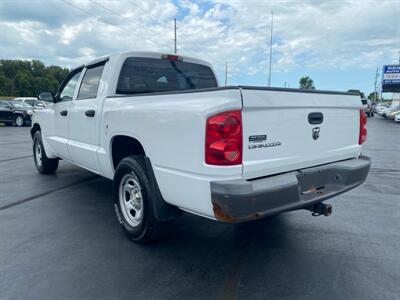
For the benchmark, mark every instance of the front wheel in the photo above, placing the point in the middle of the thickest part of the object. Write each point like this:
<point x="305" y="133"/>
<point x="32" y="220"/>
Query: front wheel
<point x="19" y="120"/>
<point x="43" y="164"/>
<point x="133" y="200"/>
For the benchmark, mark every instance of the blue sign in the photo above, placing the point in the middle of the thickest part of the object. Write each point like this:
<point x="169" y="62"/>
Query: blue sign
<point x="391" y="78"/>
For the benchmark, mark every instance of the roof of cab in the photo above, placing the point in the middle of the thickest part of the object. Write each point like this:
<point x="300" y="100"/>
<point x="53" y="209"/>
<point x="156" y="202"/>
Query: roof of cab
<point x="146" y="54"/>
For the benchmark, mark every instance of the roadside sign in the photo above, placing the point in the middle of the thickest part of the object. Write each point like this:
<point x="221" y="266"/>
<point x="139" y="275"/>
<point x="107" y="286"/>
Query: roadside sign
<point x="391" y="79"/>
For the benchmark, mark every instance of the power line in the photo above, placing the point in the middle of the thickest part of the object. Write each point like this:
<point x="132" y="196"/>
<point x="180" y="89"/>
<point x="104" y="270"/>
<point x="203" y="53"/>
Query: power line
<point x="90" y="14"/>
<point x="214" y="61"/>
<point x="127" y="19"/>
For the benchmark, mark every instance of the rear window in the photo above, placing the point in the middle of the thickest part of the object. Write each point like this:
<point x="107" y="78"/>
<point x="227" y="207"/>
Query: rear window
<point x="151" y="75"/>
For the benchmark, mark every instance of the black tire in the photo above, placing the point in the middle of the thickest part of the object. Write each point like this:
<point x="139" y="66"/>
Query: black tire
<point x="19" y="120"/>
<point x="130" y="172"/>
<point x="43" y="164"/>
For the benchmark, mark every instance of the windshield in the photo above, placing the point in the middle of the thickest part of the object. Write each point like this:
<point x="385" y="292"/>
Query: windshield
<point x="20" y="104"/>
<point x="150" y="75"/>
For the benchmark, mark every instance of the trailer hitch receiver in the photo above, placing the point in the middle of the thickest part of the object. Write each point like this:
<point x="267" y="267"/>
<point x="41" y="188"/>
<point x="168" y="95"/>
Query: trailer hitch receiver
<point x="320" y="209"/>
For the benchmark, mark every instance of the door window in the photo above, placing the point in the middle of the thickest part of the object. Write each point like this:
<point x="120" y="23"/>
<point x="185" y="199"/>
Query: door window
<point x="4" y="104"/>
<point x="90" y="83"/>
<point x="67" y="92"/>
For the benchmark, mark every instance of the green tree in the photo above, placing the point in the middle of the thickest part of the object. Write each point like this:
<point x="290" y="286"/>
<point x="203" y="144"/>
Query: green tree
<point x="6" y="87"/>
<point x="362" y="95"/>
<point x="373" y="95"/>
<point x="38" y="68"/>
<point x="306" y="83"/>
<point x="28" y="78"/>
<point x="24" y="82"/>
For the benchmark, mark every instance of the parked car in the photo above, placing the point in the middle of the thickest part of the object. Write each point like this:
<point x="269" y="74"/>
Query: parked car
<point x="380" y="107"/>
<point x="391" y="115"/>
<point x="397" y="117"/>
<point x="368" y="107"/>
<point x="171" y="139"/>
<point x="34" y="102"/>
<point x="15" y="112"/>
<point x="389" y="110"/>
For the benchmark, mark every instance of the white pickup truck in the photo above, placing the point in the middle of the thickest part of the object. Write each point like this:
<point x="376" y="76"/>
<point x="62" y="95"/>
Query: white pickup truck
<point x="171" y="139"/>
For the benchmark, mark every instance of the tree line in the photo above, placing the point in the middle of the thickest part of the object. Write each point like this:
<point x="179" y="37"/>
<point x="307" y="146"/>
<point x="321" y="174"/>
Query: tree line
<point x="27" y="78"/>
<point x="307" y="83"/>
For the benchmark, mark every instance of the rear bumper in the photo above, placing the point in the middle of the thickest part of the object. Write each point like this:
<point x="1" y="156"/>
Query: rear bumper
<point x="242" y="200"/>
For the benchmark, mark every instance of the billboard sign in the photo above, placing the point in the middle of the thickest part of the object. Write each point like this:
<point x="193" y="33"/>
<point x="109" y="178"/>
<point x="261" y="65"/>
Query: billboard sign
<point x="391" y="79"/>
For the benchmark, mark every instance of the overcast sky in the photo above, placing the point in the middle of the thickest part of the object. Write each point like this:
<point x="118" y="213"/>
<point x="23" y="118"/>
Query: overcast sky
<point x="338" y="43"/>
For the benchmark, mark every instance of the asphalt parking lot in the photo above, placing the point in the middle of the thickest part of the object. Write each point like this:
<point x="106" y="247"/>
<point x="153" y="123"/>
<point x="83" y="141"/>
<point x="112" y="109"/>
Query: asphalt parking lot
<point x="59" y="239"/>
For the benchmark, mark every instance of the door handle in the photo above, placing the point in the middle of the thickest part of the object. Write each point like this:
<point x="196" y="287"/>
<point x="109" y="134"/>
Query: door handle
<point x="315" y="118"/>
<point x="64" y="112"/>
<point x="90" y="113"/>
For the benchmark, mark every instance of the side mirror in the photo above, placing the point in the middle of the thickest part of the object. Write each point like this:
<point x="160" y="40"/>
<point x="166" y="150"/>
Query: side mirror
<point x="46" y="96"/>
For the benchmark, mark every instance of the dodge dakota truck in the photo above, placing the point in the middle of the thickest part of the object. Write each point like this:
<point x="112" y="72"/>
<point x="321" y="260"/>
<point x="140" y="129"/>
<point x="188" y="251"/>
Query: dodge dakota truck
<point x="173" y="140"/>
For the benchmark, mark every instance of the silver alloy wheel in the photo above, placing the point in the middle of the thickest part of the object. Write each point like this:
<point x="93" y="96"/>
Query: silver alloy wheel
<point x="19" y="121"/>
<point x="130" y="199"/>
<point x="38" y="154"/>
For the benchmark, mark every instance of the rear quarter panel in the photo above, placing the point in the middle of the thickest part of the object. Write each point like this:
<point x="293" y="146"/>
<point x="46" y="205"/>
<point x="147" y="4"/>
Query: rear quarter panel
<point x="171" y="129"/>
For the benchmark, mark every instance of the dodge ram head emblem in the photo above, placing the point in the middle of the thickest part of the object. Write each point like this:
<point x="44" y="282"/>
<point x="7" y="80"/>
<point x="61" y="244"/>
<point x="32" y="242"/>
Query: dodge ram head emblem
<point x="315" y="133"/>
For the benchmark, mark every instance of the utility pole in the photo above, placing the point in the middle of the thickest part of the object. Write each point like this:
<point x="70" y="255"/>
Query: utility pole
<point x="226" y="73"/>
<point x="376" y="82"/>
<point x="175" y="51"/>
<point x="270" y="49"/>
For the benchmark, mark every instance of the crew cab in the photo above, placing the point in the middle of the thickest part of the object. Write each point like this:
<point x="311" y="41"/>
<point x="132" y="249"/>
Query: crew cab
<point x="172" y="140"/>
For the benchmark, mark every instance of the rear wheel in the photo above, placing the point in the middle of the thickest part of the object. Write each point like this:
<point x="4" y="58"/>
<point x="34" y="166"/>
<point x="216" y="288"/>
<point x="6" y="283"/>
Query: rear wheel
<point x="133" y="200"/>
<point x="43" y="164"/>
<point x="19" y="120"/>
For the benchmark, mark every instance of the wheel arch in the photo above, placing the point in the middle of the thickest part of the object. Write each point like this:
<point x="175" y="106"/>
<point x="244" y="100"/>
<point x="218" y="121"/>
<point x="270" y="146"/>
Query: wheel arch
<point x="34" y="129"/>
<point x="122" y="146"/>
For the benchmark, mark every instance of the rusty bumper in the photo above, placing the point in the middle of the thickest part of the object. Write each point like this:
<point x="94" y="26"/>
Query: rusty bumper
<point x="244" y="200"/>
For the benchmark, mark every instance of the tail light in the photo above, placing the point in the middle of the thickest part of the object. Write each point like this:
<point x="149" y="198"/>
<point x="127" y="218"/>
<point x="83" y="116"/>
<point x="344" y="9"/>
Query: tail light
<point x="363" y="130"/>
<point x="224" y="138"/>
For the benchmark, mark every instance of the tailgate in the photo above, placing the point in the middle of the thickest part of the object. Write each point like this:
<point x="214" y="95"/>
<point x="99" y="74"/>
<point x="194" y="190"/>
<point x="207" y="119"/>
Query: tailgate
<point x="285" y="130"/>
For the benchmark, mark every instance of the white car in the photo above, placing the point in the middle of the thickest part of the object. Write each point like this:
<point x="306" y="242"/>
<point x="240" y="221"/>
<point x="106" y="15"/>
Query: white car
<point x="380" y="109"/>
<point x="34" y="102"/>
<point x="397" y="117"/>
<point x="171" y="139"/>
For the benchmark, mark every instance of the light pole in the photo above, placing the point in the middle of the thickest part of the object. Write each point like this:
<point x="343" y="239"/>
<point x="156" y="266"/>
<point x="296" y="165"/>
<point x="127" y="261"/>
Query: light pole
<point x="270" y="49"/>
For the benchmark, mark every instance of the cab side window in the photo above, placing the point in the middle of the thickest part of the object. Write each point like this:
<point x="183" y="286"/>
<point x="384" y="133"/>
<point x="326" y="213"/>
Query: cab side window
<point x="90" y="82"/>
<point x="4" y="104"/>
<point x="67" y="92"/>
